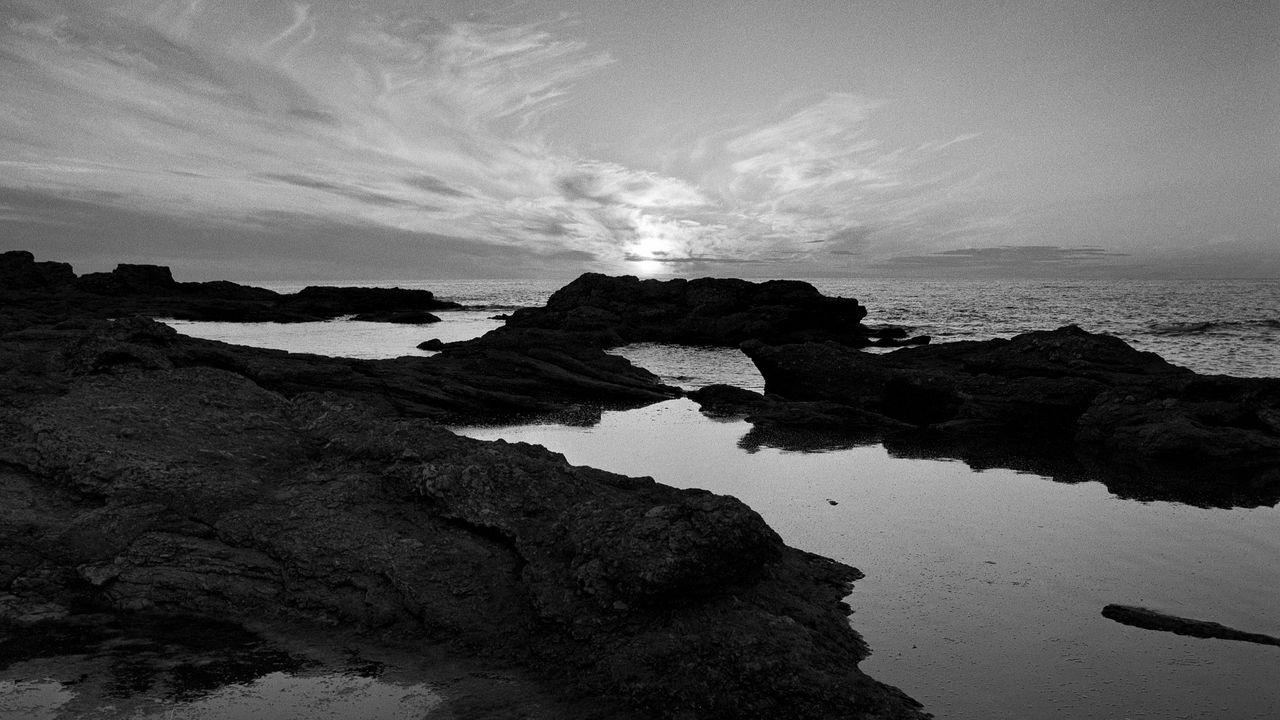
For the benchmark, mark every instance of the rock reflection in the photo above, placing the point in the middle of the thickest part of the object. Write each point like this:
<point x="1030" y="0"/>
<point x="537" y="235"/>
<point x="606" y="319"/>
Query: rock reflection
<point x="141" y="667"/>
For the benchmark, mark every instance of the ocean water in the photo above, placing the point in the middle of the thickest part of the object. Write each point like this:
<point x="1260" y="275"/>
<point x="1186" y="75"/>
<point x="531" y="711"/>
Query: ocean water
<point x="1217" y="327"/>
<point x="984" y="589"/>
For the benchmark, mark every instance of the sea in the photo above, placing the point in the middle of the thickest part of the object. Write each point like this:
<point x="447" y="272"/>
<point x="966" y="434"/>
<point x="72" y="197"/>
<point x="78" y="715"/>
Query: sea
<point x="984" y="588"/>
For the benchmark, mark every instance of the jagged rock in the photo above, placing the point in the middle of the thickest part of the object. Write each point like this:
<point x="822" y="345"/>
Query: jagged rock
<point x="51" y="292"/>
<point x="194" y="490"/>
<point x="613" y="311"/>
<point x="20" y="271"/>
<point x="515" y="376"/>
<point x="1063" y="402"/>
<point x="130" y="280"/>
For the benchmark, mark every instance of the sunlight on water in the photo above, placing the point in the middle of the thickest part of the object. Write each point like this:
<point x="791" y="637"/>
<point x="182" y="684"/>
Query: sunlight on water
<point x="345" y="338"/>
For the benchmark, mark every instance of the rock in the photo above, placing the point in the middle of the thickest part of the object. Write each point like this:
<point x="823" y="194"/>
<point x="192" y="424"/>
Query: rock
<point x="523" y="375"/>
<point x="708" y="311"/>
<point x="433" y="345"/>
<point x="51" y="291"/>
<point x="149" y="473"/>
<point x="194" y="490"/>
<point x="329" y="302"/>
<point x="130" y="280"/>
<point x="1154" y="620"/>
<point x="1066" y="402"/>
<point x="399" y="317"/>
<point x="19" y="271"/>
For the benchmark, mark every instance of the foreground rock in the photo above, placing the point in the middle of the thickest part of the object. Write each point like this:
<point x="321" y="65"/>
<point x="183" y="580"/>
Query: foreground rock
<point x="1065" y="402"/>
<point x="145" y="472"/>
<point x="50" y="291"/>
<point x="613" y="311"/>
<point x="195" y="490"/>
<point x="1153" y="620"/>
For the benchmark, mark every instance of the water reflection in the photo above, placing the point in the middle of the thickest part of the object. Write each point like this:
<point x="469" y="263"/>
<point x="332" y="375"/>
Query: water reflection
<point x="983" y="590"/>
<point x="1056" y="461"/>
<point x="142" y="667"/>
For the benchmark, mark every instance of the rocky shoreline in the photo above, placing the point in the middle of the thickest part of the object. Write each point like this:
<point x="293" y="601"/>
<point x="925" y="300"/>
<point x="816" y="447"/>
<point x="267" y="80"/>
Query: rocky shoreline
<point x="149" y="473"/>
<point x="153" y="473"/>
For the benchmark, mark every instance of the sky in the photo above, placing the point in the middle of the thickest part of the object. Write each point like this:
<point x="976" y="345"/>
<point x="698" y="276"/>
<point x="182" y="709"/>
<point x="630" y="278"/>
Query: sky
<point x="397" y="139"/>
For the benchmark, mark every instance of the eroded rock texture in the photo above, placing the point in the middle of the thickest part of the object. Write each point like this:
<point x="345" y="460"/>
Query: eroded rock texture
<point x="196" y="490"/>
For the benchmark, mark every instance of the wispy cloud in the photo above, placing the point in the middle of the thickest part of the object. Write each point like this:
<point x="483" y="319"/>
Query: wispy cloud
<point x="1015" y="260"/>
<point x="370" y="115"/>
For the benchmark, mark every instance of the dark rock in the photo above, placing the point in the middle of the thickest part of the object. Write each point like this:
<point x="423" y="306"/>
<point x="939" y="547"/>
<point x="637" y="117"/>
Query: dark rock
<point x="194" y="490"/>
<point x="20" y="271"/>
<point x="142" y="471"/>
<point x="49" y="292"/>
<point x="1064" y="402"/>
<point x="434" y="345"/>
<point x="707" y="311"/>
<point x="130" y="280"/>
<point x="515" y="376"/>
<point x="399" y="317"/>
<point x="1152" y="620"/>
<point x="330" y="302"/>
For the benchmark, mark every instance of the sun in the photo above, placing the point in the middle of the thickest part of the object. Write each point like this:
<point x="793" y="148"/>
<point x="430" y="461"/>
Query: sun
<point x="646" y="253"/>
<point x="647" y="267"/>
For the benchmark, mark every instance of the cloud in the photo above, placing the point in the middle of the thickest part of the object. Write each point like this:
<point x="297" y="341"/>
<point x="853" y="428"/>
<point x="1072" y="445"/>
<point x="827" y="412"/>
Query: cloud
<point x="433" y="185"/>
<point x="396" y="117"/>
<point x="266" y="245"/>
<point x="1016" y="260"/>
<point x="346" y="191"/>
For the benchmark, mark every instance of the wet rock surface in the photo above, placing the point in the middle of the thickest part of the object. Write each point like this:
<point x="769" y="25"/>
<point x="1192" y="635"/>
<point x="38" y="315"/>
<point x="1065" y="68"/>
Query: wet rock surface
<point x="146" y="473"/>
<point x="194" y="490"/>
<point x="1066" y="403"/>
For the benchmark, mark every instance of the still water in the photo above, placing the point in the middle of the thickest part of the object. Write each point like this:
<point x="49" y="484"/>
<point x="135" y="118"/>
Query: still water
<point x="984" y="589"/>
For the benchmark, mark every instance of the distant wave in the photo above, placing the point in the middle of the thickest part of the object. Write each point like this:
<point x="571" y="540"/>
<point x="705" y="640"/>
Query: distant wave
<point x="1209" y="326"/>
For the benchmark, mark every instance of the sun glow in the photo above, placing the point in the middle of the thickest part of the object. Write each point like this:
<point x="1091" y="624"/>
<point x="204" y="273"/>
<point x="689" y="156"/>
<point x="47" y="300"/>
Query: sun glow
<point x="648" y="267"/>
<point x="648" y="251"/>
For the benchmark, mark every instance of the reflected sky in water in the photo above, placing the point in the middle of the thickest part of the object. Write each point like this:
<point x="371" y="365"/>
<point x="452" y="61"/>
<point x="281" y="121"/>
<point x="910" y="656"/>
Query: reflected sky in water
<point x="984" y="589"/>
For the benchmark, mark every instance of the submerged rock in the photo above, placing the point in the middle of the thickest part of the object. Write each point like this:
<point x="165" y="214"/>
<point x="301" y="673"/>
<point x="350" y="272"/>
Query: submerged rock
<point x="1153" y="620"/>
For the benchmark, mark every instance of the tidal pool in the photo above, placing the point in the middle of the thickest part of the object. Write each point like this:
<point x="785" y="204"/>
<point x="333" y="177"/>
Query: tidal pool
<point x="984" y="589"/>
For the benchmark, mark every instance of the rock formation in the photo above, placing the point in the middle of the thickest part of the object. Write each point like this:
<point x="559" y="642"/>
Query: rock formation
<point x="145" y="472"/>
<point x="1064" y="402"/>
<point x="52" y="291"/>
<point x="1149" y="619"/>
<point x="613" y="311"/>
